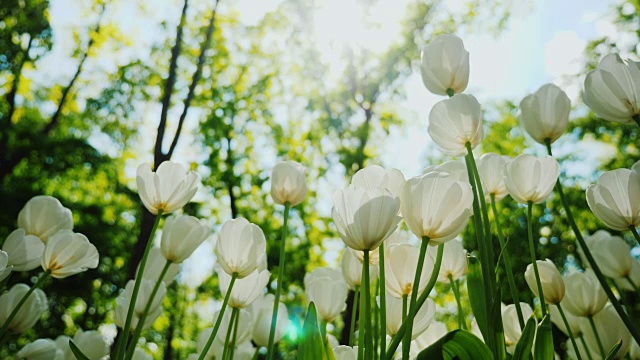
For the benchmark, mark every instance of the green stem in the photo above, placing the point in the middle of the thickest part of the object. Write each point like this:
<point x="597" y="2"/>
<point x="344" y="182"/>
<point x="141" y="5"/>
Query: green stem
<point x="635" y="233"/>
<point x="404" y="306"/>
<point x="126" y="330"/>
<point x="256" y="353"/>
<point x="450" y="92"/>
<point x="280" y="280"/>
<point x="361" y="316"/>
<point x="507" y="264"/>
<point x="147" y="308"/>
<point x="592" y="262"/>
<point x="566" y="325"/>
<point x="456" y="294"/>
<point x="534" y="262"/>
<point x="383" y="303"/>
<point x="633" y="285"/>
<point x="636" y="118"/>
<point x="376" y="322"/>
<point x="232" y="322"/>
<point x="323" y="330"/>
<point x="207" y="346"/>
<point x="406" y="345"/>
<point x="368" y="336"/>
<point x="413" y="311"/>
<point x="595" y="333"/>
<point x="24" y="299"/>
<point x="586" y="348"/>
<point x="5" y="281"/>
<point x="354" y="311"/>
<point x="235" y="333"/>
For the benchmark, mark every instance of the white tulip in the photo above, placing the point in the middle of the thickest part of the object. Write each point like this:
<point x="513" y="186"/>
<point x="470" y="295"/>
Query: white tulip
<point x="344" y="352"/>
<point x="67" y="253"/>
<point x="401" y="263"/>
<point x="167" y="189"/>
<point x="288" y="183"/>
<point x="531" y="179"/>
<point x="454" y="261"/>
<point x="574" y="321"/>
<point x="550" y="280"/>
<point x="240" y="247"/>
<point x="25" y="251"/>
<point x="41" y="349"/>
<point x="154" y="266"/>
<point x="615" y="199"/>
<point x="634" y="351"/>
<point x="434" y="332"/>
<point x="352" y="269"/>
<point x="321" y="272"/>
<point x="490" y="167"/>
<point x="445" y="65"/>
<point x="436" y="206"/>
<point x="243" y="335"/>
<point x="29" y="313"/>
<point x="181" y="236"/>
<point x="455" y="122"/>
<point x="584" y="295"/>
<point x="610" y="329"/>
<point x="545" y="113"/>
<point x="262" y="310"/>
<point x="457" y="169"/>
<point x="140" y="354"/>
<point x="364" y="218"/>
<point x="636" y="166"/>
<point x="421" y="321"/>
<point x="374" y="176"/>
<point x="511" y="324"/>
<point x="328" y="293"/>
<point x="612" y="254"/>
<point x="5" y="269"/>
<point x="124" y="299"/>
<point x="91" y="343"/>
<point x="43" y="216"/>
<point x="612" y="90"/>
<point x="398" y="237"/>
<point x="244" y="290"/>
<point x="634" y="276"/>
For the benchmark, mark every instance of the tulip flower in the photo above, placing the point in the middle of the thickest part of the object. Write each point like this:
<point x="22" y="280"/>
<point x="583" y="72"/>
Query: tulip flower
<point x="634" y="351"/>
<point x="167" y="189"/>
<point x="455" y="122"/>
<point x="144" y="297"/>
<point x="445" y="65"/>
<point x="322" y="272"/>
<point x="612" y="254"/>
<point x="41" y="349"/>
<point x="139" y="354"/>
<point x="155" y="263"/>
<point x="615" y="199"/>
<point x="181" y="236"/>
<point x="5" y="269"/>
<point x="28" y="314"/>
<point x="261" y="310"/>
<point x="241" y="247"/>
<point x="572" y="320"/>
<point x="636" y="166"/>
<point x="67" y="253"/>
<point x="490" y="167"/>
<point x="244" y="290"/>
<point x="421" y="322"/>
<point x="25" y="251"/>
<point x="352" y="269"/>
<point x="91" y="343"/>
<point x="454" y="261"/>
<point x="457" y="169"/>
<point x="344" y="352"/>
<point x="436" y="206"/>
<point x="605" y="331"/>
<point x="512" y="330"/>
<point x="584" y="295"/>
<point x="550" y="279"/>
<point x="364" y="218"/>
<point x="632" y="283"/>
<point x="531" y="179"/>
<point x="434" y="332"/>
<point x="328" y="295"/>
<point x="545" y="113"/>
<point x="245" y="326"/>
<point x="612" y="90"/>
<point x="288" y="183"/>
<point x="43" y="216"/>
<point x="374" y="176"/>
<point x="401" y="263"/>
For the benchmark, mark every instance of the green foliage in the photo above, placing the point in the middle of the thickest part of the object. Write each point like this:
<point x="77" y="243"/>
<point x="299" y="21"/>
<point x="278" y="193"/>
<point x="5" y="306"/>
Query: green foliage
<point x="525" y="344"/>
<point x="458" y="344"/>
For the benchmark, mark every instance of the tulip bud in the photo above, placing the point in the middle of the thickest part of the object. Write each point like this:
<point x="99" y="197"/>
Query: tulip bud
<point x="434" y="332"/>
<point x="352" y="269"/>
<point x="167" y="189"/>
<point x="550" y="279"/>
<point x="454" y="261"/>
<point x="436" y="206"/>
<point x="490" y="167"/>
<point x="91" y="343"/>
<point x="615" y="199"/>
<point x="455" y="122"/>
<point x="612" y="254"/>
<point x="41" y="349"/>
<point x="531" y="179"/>
<point x="4" y="269"/>
<point x="328" y="293"/>
<point x="43" y="216"/>
<point x="445" y="65"/>
<point x="28" y="314"/>
<point x="68" y="253"/>
<point x="144" y="296"/>
<point x="344" y="352"/>
<point x="364" y="218"/>
<point x="241" y="247"/>
<point x="244" y="290"/>
<point x="512" y="330"/>
<point x="374" y="176"/>
<point x="288" y="183"/>
<point x="181" y="236"/>
<point x="545" y="113"/>
<point x="262" y="310"/>
<point x="457" y="169"/>
<point x="25" y="251"/>
<point x="612" y="90"/>
<point x="154" y="266"/>
<point x="394" y="316"/>
<point x="584" y="295"/>
<point x="610" y="329"/>
<point x="401" y="263"/>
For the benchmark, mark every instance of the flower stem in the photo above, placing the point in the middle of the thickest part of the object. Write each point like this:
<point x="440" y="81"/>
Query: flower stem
<point x="406" y="345"/>
<point x="592" y="262"/>
<point x="450" y="92"/>
<point x="235" y="333"/>
<point x="279" y="282"/>
<point x="227" y="338"/>
<point x="635" y="233"/>
<point x="507" y="264"/>
<point x="404" y="306"/>
<point x="534" y="262"/>
<point x="24" y="299"/>
<point x="456" y="294"/>
<point x="586" y="348"/>
<point x="595" y="333"/>
<point x="354" y="311"/>
<point x="566" y="325"/>
<point x="361" y="316"/>
<point x="368" y="351"/>
<point x="383" y="303"/>
<point x="207" y="346"/>
<point x="126" y="330"/>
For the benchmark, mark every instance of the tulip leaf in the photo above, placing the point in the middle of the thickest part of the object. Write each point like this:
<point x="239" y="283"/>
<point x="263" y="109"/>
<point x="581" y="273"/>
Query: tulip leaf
<point x="614" y="350"/>
<point x="524" y="345"/>
<point x="497" y="331"/>
<point x="458" y="344"/>
<point x="476" y="295"/>
<point x="544" y="340"/>
<point x="76" y="351"/>
<point x="311" y="345"/>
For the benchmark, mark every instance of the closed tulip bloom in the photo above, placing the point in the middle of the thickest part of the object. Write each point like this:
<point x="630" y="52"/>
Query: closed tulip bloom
<point x="445" y="65"/>
<point x="531" y="179"/>
<point x="344" y="352"/>
<point x="41" y="349"/>
<point x="25" y="251"/>
<point x="584" y="295"/>
<point x="29" y="313"/>
<point x="610" y="329"/>
<point x="181" y="236"/>
<point x="457" y="169"/>
<point x="512" y="330"/>
<point x="612" y="254"/>
<point x="244" y="290"/>
<point x="364" y="218"/>
<point x="401" y="262"/>
<point x="434" y="332"/>
<point x="139" y="354"/>
<point x="91" y="343"/>
<point x="574" y="321"/>
<point x="144" y="296"/>
<point x="328" y="295"/>
<point x="615" y="199"/>
<point x="454" y="261"/>
<point x="436" y="206"/>
<point x="612" y="90"/>
<point x="394" y="316"/>
<point x="634" y="276"/>
<point x="240" y="247"/>
<point x="455" y="122"/>
<point x="167" y="189"/>
<point x="43" y="216"/>
<point x="5" y="269"/>
<point x="545" y="113"/>
<point x="155" y="264"/>
<point x="352" y="269"/>
<point x="550" y="279"/>
<point x="490" y="167"/>
<point x="374" y="176"/>
<point x="261" y="310"/>
<point x="321" y="272"/>
<point x="636" y="166"/>
<point x="288" y="183"/>
<point x="242" y="336"/>
<point x="68" y="253"/>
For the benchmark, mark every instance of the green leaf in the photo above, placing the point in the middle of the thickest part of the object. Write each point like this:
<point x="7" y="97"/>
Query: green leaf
<point x="459" y="345"/>
<point x="614" y="350"/>
<point x="311" y="345"/>
<point x="524" y="345"/>
<point x="497" y="331"/>
<point x="79" y="355"/>
<point x="544" y="340"/>
<point x="476" y="295"/>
